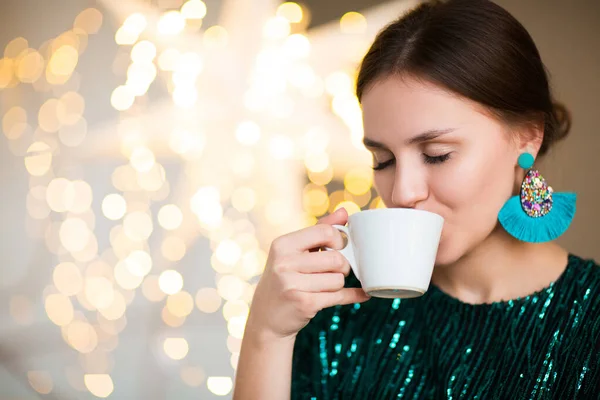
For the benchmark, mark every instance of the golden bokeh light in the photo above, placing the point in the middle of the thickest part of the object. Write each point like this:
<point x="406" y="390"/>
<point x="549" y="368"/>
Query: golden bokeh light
<point x="353" y="23"/>
<point x="139" y="263"/>
<point x="180" y="304"/>
<point x="219" y="385"/>
<point x="230" y="287"/>
<point x="67" y="278"/>
<point x="170" y="217"/>
<point x="176" y="348"/>
<point x="317" y="162"/>
<point x="248" y="133"/>
<point x="173" y="248"/>
<point x="206" y="204"/>
<point x="281" y="147"/>
<point x="116" y="309"/>
<point x="131" y="29"/>
<point x="277" y="27"/>
<point x="125" y="278"/>
<point x="358" y="181"/>
<point x="193" y="9"/>
<point x="137" y="226"/>
<point x="60" y="195"/>
<point x="142" y="159"/>
<point x="151" y="290"/>
<point x="338" y="83"/>
<point x="297" y="46"/>
<point x="237" y="308"/>
<point x="82" y="336"/>
<point x="7" y="69"/>
<point x="192" y="376"/>
<point x="236" y="326"/>
<point x="100" y="385"/>
<point x="234" y="345"/>
<point x="114" y="206"/>
<point x="290" y="11"/>
<point x="62" y="64"/>
<point x="48" y="116"/>
<point x="70" y="108"/>
<point x="228" y="252"/>
<point x="73" y="135"/>
<point x="350" y="206"/>
<point x="30" y="67"/>
<point x="40" y="381"/>
<point x="89" y="20"/>
<point x="99" y="291"/>
<point x="38" y="159"/>
<point x="15" y="47"/>
<point x="122" y="98"/>
<point x="321" y="178"/>
<point x="59" y="309"/>
<point x="171" y="23"/>
<point x="13" y="121"/>
<point x="74" y="234"/>
<point x="82" y="197"/>
<point x="208" y="300"/>
<point x="185" y="96"/>
<point x="243" y="199"/>
<point x="215" y="36"/>
<point x="168" y="59"/>
<point x="315" y="200"/>
<point x="170" y="282"/>
<point x="143" y="51"/>
<point x="377" y="203"/>
<point x="171" y="320"/>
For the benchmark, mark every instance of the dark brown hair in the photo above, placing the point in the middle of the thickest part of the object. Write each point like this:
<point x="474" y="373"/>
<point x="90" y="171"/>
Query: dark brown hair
<point x="476" y="49"/>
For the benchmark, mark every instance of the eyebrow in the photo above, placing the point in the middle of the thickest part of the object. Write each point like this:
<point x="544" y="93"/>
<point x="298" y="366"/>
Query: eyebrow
<point x="421" y="138"/>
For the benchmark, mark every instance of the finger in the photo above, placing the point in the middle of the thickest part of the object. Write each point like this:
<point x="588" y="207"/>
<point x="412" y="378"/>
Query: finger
<point x="339" y="217"/>
<point x="323" y="261"/>
<point x="318" y="283"/>
<point x="342" y="297"/>
<point x="321" y="235"/>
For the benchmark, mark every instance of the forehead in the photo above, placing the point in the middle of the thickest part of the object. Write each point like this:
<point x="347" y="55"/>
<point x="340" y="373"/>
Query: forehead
<point x="407" y="106"/>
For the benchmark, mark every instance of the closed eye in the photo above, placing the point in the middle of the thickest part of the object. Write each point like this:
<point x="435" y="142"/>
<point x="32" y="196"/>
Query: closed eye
<point x="426" y="159"/>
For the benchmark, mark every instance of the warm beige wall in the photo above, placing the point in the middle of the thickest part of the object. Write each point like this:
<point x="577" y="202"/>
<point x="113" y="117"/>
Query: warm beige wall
<point x="568" y="36"/>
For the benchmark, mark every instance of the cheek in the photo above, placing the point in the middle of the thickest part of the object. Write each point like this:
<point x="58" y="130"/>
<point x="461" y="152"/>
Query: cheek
<point x="477" y="183"/>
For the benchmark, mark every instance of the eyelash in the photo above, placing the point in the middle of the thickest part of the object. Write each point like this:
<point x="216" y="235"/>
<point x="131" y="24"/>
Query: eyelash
<point x="427" y="160"/>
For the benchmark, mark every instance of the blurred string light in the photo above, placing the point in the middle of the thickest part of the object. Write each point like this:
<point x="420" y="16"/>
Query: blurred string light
<point x="87" y="280"/>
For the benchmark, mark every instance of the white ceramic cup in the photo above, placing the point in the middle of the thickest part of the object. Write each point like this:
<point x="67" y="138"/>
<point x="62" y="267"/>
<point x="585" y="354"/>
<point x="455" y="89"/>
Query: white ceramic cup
<point x="392" y="251"/>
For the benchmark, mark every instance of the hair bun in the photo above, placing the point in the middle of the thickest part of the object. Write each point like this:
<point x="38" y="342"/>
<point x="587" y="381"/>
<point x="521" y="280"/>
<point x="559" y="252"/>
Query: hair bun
<point x="562" y="119"/>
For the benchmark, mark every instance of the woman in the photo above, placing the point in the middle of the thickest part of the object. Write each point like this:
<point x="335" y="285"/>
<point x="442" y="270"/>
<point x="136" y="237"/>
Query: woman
<point x="455" y="100"/>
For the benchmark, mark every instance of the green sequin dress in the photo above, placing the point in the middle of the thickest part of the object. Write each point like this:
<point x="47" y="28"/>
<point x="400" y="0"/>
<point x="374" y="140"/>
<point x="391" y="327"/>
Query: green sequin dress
<point x="543" y="346"/>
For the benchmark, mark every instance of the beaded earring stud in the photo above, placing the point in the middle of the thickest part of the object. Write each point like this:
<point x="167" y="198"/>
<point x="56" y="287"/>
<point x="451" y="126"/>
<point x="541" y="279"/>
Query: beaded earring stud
<point x="538" y="214"/>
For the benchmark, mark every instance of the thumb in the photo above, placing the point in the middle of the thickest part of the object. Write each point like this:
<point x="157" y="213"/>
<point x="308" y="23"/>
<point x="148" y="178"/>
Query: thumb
<point x="339" y="217"/>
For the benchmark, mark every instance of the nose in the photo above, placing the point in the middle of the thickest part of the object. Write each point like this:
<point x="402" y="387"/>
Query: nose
<point x="410" y="187"/>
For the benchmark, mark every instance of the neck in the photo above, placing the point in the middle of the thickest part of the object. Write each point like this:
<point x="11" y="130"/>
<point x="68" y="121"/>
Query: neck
<point x="501" y="268"/>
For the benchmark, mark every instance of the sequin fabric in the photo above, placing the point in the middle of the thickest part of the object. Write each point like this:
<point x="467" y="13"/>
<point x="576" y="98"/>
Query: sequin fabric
<point x="543" y="346"/>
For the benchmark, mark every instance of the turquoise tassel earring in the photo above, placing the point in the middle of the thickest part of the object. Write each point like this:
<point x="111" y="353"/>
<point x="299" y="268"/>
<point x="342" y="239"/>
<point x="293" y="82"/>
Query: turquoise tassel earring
<point x="538" y="214"/>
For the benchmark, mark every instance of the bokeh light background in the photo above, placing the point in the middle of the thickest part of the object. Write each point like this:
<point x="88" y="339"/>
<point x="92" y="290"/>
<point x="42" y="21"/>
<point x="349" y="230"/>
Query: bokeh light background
<point x="161" y="147"/>
<point x="151" y="150"/>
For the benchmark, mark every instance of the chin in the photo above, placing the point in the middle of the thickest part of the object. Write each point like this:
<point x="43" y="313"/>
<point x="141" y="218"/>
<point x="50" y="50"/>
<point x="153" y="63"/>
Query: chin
<point x="448" y="253"/>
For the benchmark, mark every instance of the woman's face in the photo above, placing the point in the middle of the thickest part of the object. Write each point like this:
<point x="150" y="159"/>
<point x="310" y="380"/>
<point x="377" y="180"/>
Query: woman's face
<point x="436" y="151"/>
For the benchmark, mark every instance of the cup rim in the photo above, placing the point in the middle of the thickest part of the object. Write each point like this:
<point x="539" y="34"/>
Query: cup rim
<point x="402" y="210"/>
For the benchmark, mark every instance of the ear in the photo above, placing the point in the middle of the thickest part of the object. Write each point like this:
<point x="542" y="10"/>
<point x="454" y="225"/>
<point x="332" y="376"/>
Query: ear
<point x="530" y="137"/>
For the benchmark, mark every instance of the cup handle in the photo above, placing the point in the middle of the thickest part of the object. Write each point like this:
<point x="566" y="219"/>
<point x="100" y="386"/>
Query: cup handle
<point x="348" y="251"/>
